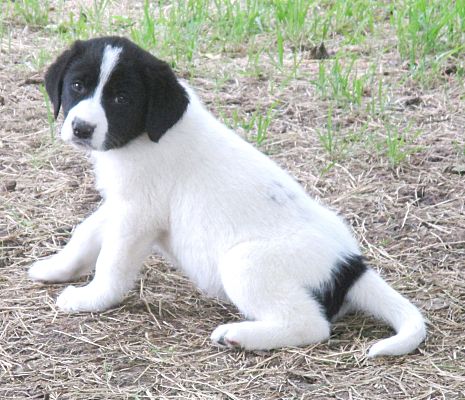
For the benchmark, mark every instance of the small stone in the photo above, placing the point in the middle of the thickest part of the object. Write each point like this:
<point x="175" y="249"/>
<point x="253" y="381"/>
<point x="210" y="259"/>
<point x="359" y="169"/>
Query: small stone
<point x="458" y="169"/>
<point x="451" y="69"/>
<point x="10" y="186"/>
<point x="413" y="101"/>
<point x="319" y="52"/>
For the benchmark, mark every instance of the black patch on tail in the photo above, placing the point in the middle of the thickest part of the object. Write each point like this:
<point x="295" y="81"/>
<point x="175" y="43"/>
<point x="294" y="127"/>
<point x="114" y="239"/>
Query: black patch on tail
<point x="345" y="273"/>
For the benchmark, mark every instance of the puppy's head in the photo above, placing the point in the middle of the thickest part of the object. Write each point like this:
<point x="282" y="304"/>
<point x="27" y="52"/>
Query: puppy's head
<point x="111" y="91"/>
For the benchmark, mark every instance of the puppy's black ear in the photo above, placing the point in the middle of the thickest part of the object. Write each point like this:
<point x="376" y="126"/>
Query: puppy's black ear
<point x="54" y="76"/>
<point x="167" y="99"/>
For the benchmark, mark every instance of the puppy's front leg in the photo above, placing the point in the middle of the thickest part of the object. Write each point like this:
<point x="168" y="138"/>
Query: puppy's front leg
<point x="79" y="255"/>
<point x="124" y="248"/>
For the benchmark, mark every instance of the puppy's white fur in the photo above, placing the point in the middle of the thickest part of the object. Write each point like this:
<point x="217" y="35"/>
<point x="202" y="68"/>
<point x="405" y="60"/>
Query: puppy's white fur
<point x="185" y="196"/>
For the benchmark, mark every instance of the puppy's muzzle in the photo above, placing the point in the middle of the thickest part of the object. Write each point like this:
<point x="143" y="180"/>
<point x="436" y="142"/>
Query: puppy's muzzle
<point x="82" y="129"/>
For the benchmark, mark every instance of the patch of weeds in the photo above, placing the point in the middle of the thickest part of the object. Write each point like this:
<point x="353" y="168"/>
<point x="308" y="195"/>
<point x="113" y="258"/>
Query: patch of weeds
<point x="182" y="30"/>
<point x="277" y="57"/>
<point x="355" y="19"/>
<point x="429" y="33"/>
<point x="291" y="16"/>
<point x="144" y="34"/>
<point x="258" y="123"/>
<point x="340" y="82"/>
<point x="306" y="22"/>
<point x="121" y="22"/>
<point x="330" y="140"/>
<point x="38" y="160"/>
<point x="173" y="30"/>
<point x="40" y="58"/>
<point x="3" y="25"/>
<point x="356" y="135"/>
<point x="262" y="123"/>
<point x="75" y="27"/>
<point x="5" y="31"/>
<point x="376" y="90"/>
<point x="236" y="21"/>
<point x="88" y="22"/>
<point x="19" y="218"/>
<point x="32" y="12"/>
<point x="96" y="13"/>
<point x="254" y="61"/>
<point x="108" y="371"/>
<point x="280" y="48"/>
<point x="163" y="353"/>
<point x="385" y="242"/>
<point x="50" y="117"/>
<point x="327" y="136"/>
<point x="398" y="145"/>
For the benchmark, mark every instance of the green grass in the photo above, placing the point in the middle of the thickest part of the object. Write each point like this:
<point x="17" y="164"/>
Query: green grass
<point x="32" y="12"/>
<point x="40" y="58"/>
<point x="340" y="81"/>
<point x="256" y="124"/>
<point x="429" y="33"/>
<point x="86" y="22"/>
<point x="399" y="144"/>
<point x="261" y="121"/>
<point x="329" y="140"/>
<point x="5" y="33"/>
<point x="50" y="117"/>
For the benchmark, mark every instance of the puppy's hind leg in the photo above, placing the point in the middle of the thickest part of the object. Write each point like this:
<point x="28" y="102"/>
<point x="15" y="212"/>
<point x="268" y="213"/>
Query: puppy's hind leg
<point x="78" y="257"/>
<point x="283" y="312"/>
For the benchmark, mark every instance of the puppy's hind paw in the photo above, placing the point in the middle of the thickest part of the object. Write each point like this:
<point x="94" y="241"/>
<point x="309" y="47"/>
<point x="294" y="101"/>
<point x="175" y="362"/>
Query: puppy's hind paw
<point x="221" y="337"/>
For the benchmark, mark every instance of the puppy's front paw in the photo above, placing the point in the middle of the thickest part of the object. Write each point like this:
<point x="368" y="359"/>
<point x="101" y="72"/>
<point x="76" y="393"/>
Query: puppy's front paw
<point x="45" y="271"/>
<point x="70" y="300"/>
<point x="74" y="299"/>
<point x="51" y="270"/>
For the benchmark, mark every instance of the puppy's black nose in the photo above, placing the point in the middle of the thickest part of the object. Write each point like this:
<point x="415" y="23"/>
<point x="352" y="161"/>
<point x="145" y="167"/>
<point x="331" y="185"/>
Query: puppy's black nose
<point x="82" y="129"/>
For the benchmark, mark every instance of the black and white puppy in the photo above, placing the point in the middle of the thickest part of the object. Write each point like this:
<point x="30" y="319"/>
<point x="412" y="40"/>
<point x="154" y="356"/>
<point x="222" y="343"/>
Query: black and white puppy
<point x="176" y="179"/>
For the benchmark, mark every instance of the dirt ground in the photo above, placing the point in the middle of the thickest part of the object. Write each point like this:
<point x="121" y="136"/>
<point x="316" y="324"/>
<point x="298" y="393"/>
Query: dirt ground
<point x="408" y="217"/>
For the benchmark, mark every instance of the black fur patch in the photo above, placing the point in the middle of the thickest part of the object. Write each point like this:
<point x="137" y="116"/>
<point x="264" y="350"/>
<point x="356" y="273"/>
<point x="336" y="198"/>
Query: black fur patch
<point x="331" y="296"/>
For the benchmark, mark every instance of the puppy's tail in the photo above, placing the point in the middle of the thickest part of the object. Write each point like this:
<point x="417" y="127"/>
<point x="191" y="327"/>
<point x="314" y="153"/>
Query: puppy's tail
<point x="371" y="294"/>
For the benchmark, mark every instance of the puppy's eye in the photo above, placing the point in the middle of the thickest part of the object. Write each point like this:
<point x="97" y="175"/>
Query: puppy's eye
<point x="78" y="86"/>
<point x="120" y="99"/>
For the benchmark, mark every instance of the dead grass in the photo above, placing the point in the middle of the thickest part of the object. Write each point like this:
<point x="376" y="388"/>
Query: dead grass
<point x="409" y="219"/>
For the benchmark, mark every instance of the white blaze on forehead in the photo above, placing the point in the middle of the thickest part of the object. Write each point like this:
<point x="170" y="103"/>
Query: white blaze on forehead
<point x="91" y="109"/>
<point x="110" y="59"/>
